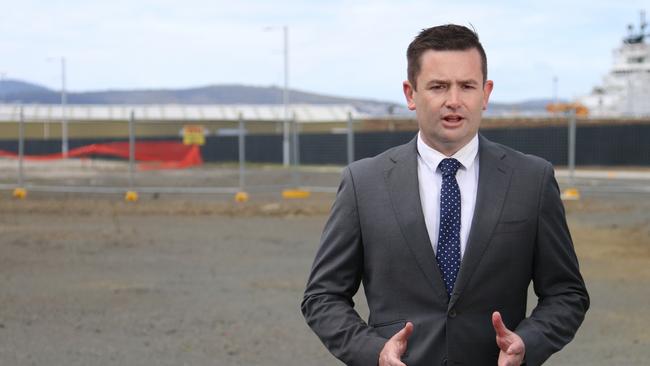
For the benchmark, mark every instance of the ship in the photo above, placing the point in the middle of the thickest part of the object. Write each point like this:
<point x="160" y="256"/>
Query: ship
<point x="625" y="90"/>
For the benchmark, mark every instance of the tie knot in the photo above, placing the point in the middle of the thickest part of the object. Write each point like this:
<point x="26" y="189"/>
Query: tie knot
<point x="449" y="166"/>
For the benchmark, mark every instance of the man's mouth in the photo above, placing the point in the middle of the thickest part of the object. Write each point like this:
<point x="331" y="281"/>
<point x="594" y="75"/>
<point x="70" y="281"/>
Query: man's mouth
<point x="453" y="118"/>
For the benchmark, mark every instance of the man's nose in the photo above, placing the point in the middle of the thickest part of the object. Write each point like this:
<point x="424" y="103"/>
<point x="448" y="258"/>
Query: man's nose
<point x="453" y="98"/>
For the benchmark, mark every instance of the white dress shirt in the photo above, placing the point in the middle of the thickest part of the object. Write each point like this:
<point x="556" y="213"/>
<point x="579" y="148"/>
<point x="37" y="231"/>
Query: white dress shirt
<point x="430" y="182"/>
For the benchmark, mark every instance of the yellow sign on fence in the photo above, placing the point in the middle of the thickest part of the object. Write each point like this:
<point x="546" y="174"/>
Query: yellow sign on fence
<point x="193" y="135"/>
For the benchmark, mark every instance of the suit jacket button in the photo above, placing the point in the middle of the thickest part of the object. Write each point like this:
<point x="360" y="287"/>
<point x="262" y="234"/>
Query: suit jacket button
<point x="452" y="313"/>
<point x="444" y="362"/>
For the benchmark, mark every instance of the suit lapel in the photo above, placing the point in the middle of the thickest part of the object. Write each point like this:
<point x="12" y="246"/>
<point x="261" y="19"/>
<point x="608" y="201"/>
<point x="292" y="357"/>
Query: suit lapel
<point x="402" y="180"/>
<point x="493" y="184"/>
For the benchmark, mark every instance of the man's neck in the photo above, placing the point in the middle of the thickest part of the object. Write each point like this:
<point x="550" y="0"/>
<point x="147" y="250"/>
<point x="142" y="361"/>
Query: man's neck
<point x="447" y="150"/>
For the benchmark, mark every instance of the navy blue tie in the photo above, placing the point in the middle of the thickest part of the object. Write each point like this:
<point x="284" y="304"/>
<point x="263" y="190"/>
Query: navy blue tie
<point x="448" y="252"/>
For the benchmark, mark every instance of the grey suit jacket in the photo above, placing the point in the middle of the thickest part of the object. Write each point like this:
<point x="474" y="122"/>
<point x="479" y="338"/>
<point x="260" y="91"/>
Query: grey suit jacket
<point x="376" y="234"/>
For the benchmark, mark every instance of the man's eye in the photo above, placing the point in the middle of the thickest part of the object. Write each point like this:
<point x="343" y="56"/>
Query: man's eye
<point x="438" y="87"/>
<point x="468" y="86"/>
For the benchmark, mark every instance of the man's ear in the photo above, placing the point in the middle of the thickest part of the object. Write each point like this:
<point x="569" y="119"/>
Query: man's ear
<point x="408" y="93"/>
<point x="487" y="90"/>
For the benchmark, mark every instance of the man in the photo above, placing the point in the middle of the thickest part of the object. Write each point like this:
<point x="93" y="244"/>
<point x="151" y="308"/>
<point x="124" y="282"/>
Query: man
<point x="446" y="232"/>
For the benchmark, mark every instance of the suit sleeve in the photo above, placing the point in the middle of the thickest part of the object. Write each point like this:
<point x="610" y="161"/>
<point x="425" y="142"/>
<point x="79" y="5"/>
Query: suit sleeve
<point x="335" y="278"/>
<point x="562" y="295"/>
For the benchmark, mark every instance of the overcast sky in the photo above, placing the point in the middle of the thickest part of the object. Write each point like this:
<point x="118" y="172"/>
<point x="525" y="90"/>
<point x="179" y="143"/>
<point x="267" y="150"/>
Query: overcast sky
<point x="347" y="48"/>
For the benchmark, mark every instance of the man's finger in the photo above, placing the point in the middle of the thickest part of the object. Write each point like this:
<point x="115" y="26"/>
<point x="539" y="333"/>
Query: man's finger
<point x="405" y="333"/>
<point x="515" y="348"/>
<point x="395" y="347"/>
<point x="498" y="325"/>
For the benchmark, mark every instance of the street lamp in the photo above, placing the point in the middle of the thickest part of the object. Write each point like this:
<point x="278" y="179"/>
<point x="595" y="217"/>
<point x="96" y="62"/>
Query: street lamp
<point x="64" y="102"/>
<point x="285" y="97"/>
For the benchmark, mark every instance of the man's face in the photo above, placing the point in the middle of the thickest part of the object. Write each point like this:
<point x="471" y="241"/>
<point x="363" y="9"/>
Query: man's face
<point x="450" y="98"/>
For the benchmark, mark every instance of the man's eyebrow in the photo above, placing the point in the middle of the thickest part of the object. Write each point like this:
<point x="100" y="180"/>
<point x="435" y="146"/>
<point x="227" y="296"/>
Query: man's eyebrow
<point x="448" y="82"/>
<point x="438" y="81"/>
<point x="468" y="81"/>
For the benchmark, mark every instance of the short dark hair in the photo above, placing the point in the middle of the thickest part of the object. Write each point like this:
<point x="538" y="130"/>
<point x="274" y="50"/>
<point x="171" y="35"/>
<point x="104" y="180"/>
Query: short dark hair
<point x="448" y="37"/>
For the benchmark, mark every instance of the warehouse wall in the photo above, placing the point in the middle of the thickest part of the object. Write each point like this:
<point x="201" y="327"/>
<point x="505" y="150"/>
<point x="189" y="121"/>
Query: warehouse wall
<point x="622" y="145"/>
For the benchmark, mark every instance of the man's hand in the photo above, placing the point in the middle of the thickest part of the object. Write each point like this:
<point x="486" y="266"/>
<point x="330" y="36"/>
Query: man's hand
<point x="395" y="347"/>
<point x="511" y="345"/>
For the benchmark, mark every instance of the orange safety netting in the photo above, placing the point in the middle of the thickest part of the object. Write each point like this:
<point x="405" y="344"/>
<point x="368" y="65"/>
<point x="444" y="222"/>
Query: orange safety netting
<point x="151" y="154"/>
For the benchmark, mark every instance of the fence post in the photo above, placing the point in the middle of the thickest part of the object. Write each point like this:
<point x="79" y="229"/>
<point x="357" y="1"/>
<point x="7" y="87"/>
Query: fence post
<point x="295" y="156"/>
<point x="295" y="191"/>
<point x="241" y="195"/>
<point x="296" y="141"/>
<point x="21" y="148"/>
<point x="131" y="194"/>
<point x="572" y="146"/>
<point x="131" y="149"/>
<point x="20" y="191"/>
<point x="350" y="136"/>
<point x="242" y="154"/>
<point x="571" y="193"/>
<point x="286" y="135"/>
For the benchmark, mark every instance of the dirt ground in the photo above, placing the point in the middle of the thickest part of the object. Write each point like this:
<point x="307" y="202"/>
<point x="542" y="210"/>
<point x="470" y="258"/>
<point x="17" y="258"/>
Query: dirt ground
<point x="171" y="280"/>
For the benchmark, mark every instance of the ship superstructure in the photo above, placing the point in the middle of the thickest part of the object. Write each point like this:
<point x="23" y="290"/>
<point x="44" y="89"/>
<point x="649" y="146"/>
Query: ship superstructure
<point x="625" y="91"/>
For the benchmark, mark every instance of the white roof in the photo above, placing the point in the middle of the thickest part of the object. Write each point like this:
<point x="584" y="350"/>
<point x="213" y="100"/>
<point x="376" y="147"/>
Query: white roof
<point x="184" y="112"/>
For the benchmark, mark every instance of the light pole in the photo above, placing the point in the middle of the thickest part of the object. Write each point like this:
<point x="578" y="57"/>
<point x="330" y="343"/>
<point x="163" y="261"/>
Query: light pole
<point x="286" y="156"/>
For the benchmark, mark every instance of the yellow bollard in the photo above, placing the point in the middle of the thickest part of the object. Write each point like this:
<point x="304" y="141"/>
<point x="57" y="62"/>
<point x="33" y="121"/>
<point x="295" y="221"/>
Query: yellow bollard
<point x="131" y="196"/>
<point x="295" y="193"/>
<point x="571" y="194"/>
<point x="20" y="193"/>
<point x="241" y="197"/>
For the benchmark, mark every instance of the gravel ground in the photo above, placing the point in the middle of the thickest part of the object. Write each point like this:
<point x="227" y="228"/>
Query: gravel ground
<point x="189" y="281"/>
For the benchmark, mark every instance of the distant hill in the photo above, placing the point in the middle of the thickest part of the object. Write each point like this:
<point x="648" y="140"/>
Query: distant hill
<point x="12" y="91"/>
<point x="9" y="87"/>
<point x="16" y="91"/>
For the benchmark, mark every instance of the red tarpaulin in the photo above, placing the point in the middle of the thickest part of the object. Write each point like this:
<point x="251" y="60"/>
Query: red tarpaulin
<point x="154" y="154"/>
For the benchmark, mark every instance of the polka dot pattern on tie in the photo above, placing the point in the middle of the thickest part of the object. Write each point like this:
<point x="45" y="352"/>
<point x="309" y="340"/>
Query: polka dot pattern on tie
<point x="448" y="252"/>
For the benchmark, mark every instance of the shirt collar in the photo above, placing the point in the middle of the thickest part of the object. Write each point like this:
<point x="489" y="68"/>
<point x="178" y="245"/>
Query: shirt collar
<point x="432" y="157"/>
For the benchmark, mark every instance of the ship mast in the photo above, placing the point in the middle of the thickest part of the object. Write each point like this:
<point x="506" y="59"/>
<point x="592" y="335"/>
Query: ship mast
<point x="639" y="37"/>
